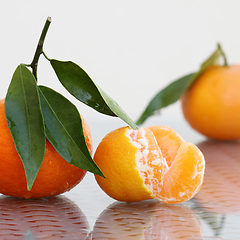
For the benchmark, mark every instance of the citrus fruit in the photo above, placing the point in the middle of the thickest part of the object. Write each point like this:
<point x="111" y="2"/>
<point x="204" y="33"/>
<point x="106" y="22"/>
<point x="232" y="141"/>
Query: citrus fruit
<point x="148" y="163"/>
<point x="147" y="220"/>
<point x="54" y="177"/>
<point x="212" y="104"/>
<point x="45" y="218"/>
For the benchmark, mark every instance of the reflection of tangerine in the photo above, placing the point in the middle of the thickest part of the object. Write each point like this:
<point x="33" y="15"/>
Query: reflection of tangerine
<point x="148" y="163"/>
<point x="55" y="175"/>
<point x="147" y="220"/>
<point x="212" y="104"/>
<point x="50" y="218"/>
<point x="221" y="187"/>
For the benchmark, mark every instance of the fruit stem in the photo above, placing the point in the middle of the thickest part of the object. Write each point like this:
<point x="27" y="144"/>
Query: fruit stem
<point x="39" y="49"/>
<point x="225" y="59"/>
<point x="223" y="54"/>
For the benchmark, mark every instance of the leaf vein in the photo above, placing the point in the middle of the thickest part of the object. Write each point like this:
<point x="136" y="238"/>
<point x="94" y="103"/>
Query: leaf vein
<point x="27" y="112"/>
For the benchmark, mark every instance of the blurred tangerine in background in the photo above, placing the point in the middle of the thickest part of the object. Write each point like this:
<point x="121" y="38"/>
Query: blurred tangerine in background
<point x="212" y="104"/>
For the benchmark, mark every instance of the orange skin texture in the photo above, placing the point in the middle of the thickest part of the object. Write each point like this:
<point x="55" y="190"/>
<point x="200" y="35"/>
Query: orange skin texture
<point x="148" y="163"/>
<point x="54" y="177"/>
<point x="212" y="104"/>
<point x="117" y="159"/>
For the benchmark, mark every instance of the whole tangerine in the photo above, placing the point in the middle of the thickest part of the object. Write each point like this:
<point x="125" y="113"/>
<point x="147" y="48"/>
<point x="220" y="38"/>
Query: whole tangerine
<point x="212" y="104"/>
<point x="54" y="177"/>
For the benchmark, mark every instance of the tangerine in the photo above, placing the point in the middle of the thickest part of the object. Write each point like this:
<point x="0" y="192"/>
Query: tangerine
<point x="54" y="177"/>
<point x="149" y="163"/>
<point x="212" y="104"/>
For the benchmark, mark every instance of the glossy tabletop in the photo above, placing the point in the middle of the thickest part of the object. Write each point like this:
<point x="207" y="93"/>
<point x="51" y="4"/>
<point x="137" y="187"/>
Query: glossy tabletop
<point x="86" y="212"/>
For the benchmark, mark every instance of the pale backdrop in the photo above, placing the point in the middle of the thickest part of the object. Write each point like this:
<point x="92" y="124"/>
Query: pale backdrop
<point x="131" y="49"/>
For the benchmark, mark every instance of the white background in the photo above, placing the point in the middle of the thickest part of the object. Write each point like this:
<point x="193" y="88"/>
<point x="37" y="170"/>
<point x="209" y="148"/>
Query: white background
<point x="131" y="49"/>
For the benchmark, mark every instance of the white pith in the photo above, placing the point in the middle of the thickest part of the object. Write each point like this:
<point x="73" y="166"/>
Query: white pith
<point x="142" y="157"/>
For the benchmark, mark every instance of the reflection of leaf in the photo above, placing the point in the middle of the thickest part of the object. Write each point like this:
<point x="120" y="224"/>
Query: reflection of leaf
<point x="29" y="235"/>
<point x="25" y="121"/>
<point x="215" y="220"/>
<point x="81" y="86"/>
<point x="64" y="130"/>
<point x="174" y="91"/>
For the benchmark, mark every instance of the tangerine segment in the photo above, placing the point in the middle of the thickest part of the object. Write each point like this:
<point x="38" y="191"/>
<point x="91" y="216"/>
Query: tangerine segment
<point x="129" y="158"/>
<point x="168" y="140"/>
<point x="185" y="176"/>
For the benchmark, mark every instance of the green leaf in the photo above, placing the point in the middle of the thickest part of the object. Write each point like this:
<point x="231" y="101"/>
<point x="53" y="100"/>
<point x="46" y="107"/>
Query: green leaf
<point x="81" y="86"/>
<point x="174" y="91"/>
<point x="64" y="130"/>
<point x="25" y="121"/>
<point x="165" y="97"/>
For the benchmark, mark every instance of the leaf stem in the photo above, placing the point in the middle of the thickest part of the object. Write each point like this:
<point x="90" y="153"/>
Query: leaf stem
<point x="39" y="49"/>
<point x="44" y="54"/>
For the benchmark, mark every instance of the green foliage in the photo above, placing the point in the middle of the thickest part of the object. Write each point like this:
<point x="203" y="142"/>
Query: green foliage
<point x="64" y="129"/>
<point x="35" y="112"/>
<point x="165" y="97"/>
<point x="25" y="121"/>
<point x="174" y="91"/>
<point x="81" y="86"/>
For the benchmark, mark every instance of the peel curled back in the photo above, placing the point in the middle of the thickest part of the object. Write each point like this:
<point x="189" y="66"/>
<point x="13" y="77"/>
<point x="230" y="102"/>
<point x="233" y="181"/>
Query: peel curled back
<point x="136" y="169"/>
<point x="116" y="156"/>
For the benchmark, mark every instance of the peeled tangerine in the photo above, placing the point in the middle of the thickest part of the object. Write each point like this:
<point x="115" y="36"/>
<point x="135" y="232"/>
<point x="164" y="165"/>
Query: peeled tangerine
<point x="148" y="163"/>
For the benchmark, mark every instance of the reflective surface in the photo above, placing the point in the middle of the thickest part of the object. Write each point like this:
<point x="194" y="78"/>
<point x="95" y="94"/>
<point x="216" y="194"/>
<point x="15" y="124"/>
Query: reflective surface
<point x="53" y="218"/>
<point x="86" y="212"/>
